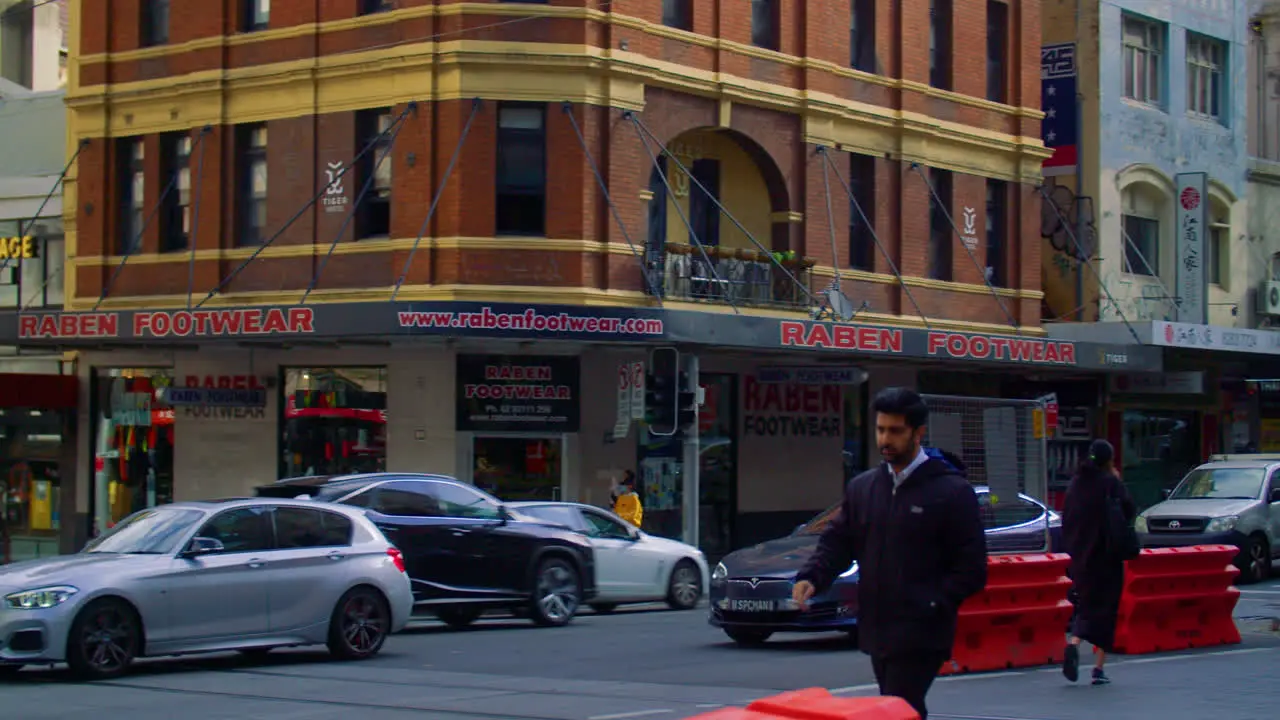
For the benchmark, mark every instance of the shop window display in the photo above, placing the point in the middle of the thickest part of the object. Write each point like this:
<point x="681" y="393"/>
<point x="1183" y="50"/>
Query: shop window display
<point x="30" y="444"/>
<point x="335" y="421"/>
<point x="133" y="444"/>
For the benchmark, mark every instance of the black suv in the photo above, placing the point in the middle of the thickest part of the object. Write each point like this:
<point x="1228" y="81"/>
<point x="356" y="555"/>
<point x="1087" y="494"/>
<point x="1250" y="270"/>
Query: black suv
<point x="464" y="551"/>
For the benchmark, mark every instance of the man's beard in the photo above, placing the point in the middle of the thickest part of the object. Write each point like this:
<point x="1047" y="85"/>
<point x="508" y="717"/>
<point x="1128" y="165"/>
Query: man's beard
<point x="895" y="458"/>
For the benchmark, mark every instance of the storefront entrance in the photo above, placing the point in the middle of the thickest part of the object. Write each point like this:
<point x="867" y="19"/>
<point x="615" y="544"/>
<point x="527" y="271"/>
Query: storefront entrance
<point x="515" y="467"/>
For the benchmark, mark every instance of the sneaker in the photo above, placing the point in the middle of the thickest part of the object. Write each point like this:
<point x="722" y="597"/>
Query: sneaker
<point x="1100" y="677"/>
<point x="1071" y="663"/>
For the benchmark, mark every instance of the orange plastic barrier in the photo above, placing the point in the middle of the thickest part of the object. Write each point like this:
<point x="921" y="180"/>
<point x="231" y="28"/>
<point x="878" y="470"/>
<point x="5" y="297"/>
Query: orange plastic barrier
<point x="1018" y="618"/>
<point x="816" y="704"/>
<point x="1178" y="598"/>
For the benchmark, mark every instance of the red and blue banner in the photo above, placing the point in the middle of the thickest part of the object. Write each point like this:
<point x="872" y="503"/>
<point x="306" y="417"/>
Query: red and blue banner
<point x="1060" y="129"/>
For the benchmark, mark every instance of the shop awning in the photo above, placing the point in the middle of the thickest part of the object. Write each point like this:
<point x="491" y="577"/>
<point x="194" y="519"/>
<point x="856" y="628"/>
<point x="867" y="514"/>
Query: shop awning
<point x="353" y="322"/>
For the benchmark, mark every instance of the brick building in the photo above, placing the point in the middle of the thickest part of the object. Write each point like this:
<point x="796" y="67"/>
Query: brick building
<point x="229" y="224"/>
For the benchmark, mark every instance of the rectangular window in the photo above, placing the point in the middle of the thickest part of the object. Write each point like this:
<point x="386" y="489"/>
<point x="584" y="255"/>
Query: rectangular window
<point x="765" y="19"/>
<point x="940" y="240"/>
<point x="1141" y="245"/>
<point x="1206" y="62"/>
<point x="862" y="36"/>
<point x="997" y="230"/>
<point x="373" y="217"/>
<point x="522" y="170"/>
<point x="175" y="216"/>
<point x="369" y="7"/>
<point x="335" y="421"/>
<point x="251" y="151"/>
<point x="131" y="154"/>
<point x="257" y="15"/>
<point x="678" y="14"/>
<point x="862" y="181"/>
<point x="940" y="44"/>
<point x="704" y="215"/>
<point x="155" y="22"/>
<point x="1218" y="250"/>
<point x="1143" y="50"/>
<point x="997" y="50"/>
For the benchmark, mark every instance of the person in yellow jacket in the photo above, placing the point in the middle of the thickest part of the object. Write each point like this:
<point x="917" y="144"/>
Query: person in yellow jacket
<point x="626" y="504"/>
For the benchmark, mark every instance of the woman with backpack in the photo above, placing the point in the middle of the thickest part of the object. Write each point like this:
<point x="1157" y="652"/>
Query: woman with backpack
<point x="1097" y="529"/>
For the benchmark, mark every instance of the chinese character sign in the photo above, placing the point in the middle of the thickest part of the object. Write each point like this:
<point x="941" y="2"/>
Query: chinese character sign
<point x="1192" y="247"/>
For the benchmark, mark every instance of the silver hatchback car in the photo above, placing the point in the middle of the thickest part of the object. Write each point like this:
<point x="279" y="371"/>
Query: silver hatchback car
<point x="193" y="577"/>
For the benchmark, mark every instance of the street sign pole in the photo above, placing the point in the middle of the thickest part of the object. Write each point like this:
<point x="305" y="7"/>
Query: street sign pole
<point x="691" y="487"/>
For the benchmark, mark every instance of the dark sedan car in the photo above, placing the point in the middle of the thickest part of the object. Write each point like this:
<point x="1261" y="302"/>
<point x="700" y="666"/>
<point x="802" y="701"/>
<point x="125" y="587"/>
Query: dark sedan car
<point x="463" y="550"/>
<point x="751" y="588"/>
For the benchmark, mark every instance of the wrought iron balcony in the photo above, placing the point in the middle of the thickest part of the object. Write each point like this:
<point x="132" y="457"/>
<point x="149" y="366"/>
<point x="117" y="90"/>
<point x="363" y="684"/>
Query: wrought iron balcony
<point x="740" y="277"/>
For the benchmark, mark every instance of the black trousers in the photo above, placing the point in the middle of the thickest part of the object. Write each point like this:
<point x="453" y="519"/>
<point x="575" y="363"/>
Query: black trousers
<point x="908" y="677"/>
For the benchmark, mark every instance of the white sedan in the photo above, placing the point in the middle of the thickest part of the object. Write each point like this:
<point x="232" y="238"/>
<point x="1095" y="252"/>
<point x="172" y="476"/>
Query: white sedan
<point x="632" y="566"/>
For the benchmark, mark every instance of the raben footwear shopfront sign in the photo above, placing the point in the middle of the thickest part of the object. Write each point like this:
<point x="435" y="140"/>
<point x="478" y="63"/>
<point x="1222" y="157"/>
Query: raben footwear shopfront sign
<point x="388" y="321"/>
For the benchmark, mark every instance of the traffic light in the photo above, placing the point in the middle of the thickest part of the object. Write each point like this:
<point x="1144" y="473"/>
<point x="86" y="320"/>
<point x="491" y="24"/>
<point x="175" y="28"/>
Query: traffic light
<point x="661" y="391"/>
<point x="687" y="402"/>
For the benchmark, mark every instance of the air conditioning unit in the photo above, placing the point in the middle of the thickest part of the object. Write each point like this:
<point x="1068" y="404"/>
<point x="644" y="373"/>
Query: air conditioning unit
<point x="1269" y="298"/>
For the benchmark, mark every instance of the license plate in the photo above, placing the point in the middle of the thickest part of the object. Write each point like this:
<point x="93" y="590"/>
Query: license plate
<point x="744" y="605"/>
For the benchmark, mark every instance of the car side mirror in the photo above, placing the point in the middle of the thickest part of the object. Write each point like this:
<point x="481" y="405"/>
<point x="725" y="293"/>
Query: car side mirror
<point x="202" y="546"/>
<point x="504" y="515"/>
<point x="1165" y="493"/>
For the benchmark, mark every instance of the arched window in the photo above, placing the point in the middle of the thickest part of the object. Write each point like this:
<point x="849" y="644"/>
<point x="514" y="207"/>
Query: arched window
<point x="1144" y="209"/>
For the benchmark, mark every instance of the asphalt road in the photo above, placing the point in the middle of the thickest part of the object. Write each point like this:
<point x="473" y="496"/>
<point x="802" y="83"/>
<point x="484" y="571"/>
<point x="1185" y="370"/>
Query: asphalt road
<point x="645" y="664"/>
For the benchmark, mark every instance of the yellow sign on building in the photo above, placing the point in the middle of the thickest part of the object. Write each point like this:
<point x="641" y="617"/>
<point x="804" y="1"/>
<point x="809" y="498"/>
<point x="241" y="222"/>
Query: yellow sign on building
<point x="17" y="248"/>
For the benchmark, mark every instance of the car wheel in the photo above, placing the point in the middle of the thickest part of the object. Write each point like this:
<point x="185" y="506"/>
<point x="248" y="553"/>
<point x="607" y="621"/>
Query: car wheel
<point x="748" y="636"/>
<point x="104" y="639"/>
<point x="684" y="590"/>
<point x="604" y="608"/>
<point x="557" y="593"/>
<point x="8" y="671"/>
<point x="458" y="617"/>
<point x="851" y="635"/>
<point x="1255" y="561"/>
<point x="359" y="626"/>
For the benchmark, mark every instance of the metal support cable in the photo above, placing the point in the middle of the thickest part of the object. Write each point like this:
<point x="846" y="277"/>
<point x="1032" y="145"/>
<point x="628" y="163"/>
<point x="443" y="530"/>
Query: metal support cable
<point x="337" y="178"/>
<point x="874" y="236"/>
<point x="1080" y="249"/>
<point x="567" y="107"/>
<point x="435" y="200"/>
<point x="155" y="210"/>
<point x="84" y="143"/>
<point x="693" y="236"/>
<point x="1013" y="322"/>
<point x="355" y="206"/>
<point x="831" y="227"/>
<point x="1173" y="303"/>
<point x="791" y="276"/>
<point x="195" y="216"/>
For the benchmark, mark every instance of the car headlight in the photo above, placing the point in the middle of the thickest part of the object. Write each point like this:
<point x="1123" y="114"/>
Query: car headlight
<point x="720" y="574"/>
<point x="1140" y="524"/>
<point x="1222" y="524"/>
<point x="40" y="598"/>
<point x="852" y="570"/>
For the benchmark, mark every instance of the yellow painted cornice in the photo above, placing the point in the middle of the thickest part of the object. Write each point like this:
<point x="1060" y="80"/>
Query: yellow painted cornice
<point x="532" y="11"/>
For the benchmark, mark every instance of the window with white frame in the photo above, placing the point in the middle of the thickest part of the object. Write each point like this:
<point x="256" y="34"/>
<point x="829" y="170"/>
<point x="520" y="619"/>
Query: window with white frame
<point x="1141" y="244"/>
<point x="1205" y="62"/>
<point x="1217" y="261"/>
<point x="1143" y="52"/>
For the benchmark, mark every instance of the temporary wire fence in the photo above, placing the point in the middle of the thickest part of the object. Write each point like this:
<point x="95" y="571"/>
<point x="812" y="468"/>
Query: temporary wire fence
<point x="1004" y="447"/>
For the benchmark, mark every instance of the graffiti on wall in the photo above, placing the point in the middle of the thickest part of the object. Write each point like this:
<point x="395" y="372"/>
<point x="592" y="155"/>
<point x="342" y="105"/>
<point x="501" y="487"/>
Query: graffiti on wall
<point x="1133" y="297"/>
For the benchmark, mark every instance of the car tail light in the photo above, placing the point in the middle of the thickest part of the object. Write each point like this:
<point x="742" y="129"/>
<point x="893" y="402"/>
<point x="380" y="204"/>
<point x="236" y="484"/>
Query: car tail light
<point x="397" y="558"/>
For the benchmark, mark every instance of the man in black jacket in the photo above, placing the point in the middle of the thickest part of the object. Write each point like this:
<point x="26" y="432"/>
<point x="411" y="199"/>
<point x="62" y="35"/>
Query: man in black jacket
<point x="914" y="528"/>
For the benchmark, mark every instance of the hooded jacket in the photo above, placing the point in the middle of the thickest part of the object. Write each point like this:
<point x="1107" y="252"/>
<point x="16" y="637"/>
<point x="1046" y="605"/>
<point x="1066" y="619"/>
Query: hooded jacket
<point x="921" y="552"/>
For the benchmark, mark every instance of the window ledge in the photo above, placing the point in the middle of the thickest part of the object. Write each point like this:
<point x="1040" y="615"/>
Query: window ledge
<point x="1141" y="105"/>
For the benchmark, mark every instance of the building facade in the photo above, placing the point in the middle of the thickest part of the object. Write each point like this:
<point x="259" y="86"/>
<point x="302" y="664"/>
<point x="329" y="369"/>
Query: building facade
<point x="37" y="385"/>
<point x="1153" y="189"/>
<point x="433" y="236"/>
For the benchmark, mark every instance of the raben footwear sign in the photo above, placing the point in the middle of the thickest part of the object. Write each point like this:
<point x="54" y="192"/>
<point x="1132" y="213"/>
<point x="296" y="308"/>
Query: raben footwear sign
<point x="1192" y="246"/>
